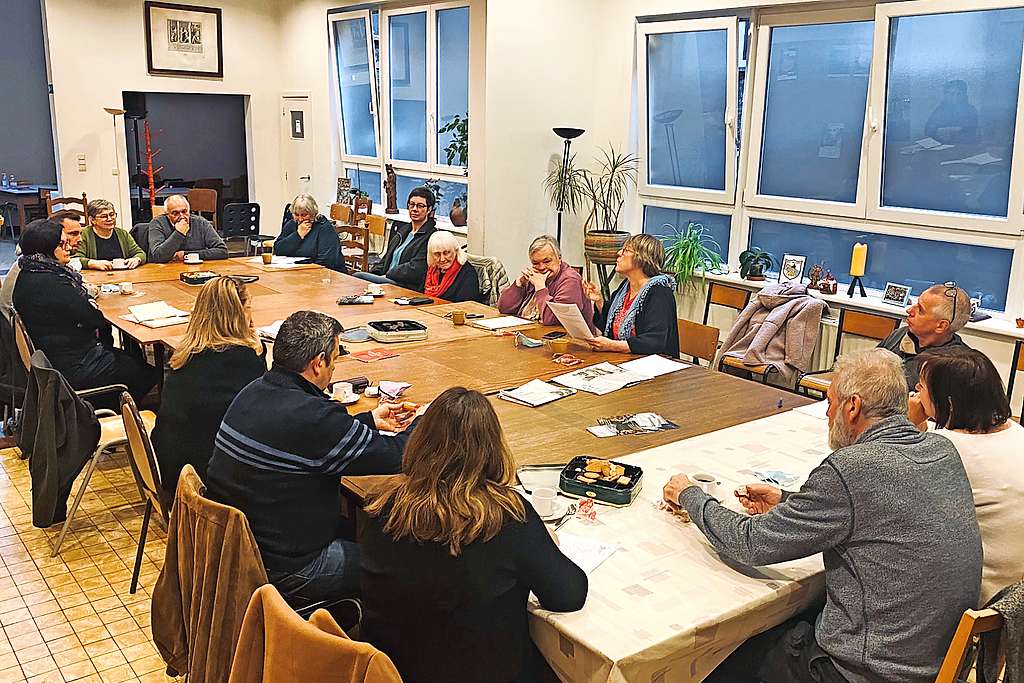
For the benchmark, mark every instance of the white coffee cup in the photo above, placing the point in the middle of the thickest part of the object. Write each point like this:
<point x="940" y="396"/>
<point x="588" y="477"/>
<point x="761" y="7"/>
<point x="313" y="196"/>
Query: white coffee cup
<point x="372" y="391"/>
<point x="127" y="288"/>
<point x="543" y="500"/>
<point x="708" y="483"/>
<point x="343" y="391"/>
<point x="192" y="257"/>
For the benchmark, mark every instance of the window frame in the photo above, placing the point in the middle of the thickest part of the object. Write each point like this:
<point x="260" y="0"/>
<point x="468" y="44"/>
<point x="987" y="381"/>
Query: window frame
<point x="646" y="190"/>
<point x="755" y="116"/>
<point x="355" y="160"/>
<point x="1013" y="224"/>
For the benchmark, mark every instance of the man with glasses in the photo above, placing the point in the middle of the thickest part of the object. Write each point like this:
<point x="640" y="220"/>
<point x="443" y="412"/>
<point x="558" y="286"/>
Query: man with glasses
<point x="176" y="233"/>
<point x="932" y="323"/>
<point x="405" y="261"/>
<point x="104" y="246"/>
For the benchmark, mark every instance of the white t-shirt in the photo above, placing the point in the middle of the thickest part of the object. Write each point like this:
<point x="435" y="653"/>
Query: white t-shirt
<point x="995" y="467"/>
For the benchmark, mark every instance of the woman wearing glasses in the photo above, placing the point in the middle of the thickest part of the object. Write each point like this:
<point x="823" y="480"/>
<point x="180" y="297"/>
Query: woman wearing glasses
<point x="405" y="261"/>
<point x="105" y="245"/>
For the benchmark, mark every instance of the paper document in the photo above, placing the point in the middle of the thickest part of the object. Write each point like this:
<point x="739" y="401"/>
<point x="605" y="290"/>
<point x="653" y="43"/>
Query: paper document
<point x="570" y="317"/>
<point x="600" y="379"/>
<point x="502" y="322"/>
<point x="535" y="393"/>
<point x="588" y="554"/>
<point x="653" y="366"/>
<point x="269" y="332"/>
<point x="817" y="410"/>
<point x="155" y="311"/>
<point x="279" y="261"/>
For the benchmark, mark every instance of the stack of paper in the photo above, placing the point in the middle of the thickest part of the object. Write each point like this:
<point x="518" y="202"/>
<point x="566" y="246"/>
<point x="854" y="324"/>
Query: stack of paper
<point x="270" y="331"/>
<point x="600" y="379"/>
<point x="586" y="553"/>
<point x="501" y="322"/>
<point x="535" y="393"/>
<point x="156" y="314"/>
<point x="653" y="366"/>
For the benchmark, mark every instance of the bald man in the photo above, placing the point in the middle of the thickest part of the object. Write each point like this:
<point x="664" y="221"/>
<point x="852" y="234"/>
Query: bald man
<point x="176" y="233"/>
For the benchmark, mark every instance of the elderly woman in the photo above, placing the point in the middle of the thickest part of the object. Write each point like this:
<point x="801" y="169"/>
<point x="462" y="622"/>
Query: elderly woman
<point x="548" y="278"/>
<point x="103" y="243"/>
<point x="448" y="276"/>
<point x="310" y="235"/>
<point x="404" y="262"/>
<point x="62" y="321"/>
<point x="641" y="315"/>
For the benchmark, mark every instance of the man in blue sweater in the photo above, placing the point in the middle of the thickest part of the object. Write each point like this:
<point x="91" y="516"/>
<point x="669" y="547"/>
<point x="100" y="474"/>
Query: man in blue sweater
<point x="280" y="453"/>
<point x="892" y="511"/>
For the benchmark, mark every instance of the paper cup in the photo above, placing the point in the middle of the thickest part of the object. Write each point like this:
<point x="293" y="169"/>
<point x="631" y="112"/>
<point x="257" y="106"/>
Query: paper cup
<point x="543" y="500"/>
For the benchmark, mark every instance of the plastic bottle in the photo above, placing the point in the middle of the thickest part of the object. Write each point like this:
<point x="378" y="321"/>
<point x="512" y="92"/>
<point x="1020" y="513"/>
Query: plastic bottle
<point x="13" y="181"/>
<point x="4" y="182"/>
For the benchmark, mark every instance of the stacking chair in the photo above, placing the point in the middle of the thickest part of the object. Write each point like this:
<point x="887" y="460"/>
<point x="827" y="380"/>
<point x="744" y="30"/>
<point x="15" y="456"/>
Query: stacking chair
<point x="68" y="204"/>
<point x="140" y="233"/>
<point x="972" y="624"/>
<point x="242" y="221"/>
<point x="857" y="323"/>
<point x="698" y="341"/>
<point x="735" y="298"/>
<point x="355" y="247"/>
<point x="203" y="200"/>
<point x="142" y="458"/>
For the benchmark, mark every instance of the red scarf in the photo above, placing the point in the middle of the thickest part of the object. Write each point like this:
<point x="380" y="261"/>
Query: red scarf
<point x="436" y="285"/>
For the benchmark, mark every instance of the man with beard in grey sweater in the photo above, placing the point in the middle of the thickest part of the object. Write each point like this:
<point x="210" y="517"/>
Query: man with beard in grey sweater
<point x="891" y="509"/>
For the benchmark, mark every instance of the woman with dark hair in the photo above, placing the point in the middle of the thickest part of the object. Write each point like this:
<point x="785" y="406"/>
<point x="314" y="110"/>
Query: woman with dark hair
<point x="63" y="321"/>
<point x="962" y="392"/>
<point x="641" y="315"/>
<point x="451" y="552"/>
<point x="405" y="260"/>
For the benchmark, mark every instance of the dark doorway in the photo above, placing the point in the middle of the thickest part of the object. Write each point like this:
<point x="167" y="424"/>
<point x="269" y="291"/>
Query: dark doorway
<point x="199" y="141"/>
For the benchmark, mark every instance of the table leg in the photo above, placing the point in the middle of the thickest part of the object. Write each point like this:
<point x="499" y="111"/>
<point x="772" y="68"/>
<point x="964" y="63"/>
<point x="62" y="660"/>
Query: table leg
<point x="21" y="202"/>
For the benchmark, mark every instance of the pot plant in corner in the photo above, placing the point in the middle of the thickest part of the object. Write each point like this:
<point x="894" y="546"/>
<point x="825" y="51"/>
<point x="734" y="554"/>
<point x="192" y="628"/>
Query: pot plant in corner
<point x="690" y="254"/>
<point x="754" y="262"/>
<point x="605" y="192"/>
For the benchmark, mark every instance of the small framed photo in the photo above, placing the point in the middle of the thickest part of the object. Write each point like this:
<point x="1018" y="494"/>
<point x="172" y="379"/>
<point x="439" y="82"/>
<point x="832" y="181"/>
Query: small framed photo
<point x="183" y="40"/>
<point x="792" y="268"/>
<point x="896" y="294"/>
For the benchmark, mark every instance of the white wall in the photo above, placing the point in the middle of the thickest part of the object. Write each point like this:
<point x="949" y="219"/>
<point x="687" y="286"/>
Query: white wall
<point x="97" y="50"/>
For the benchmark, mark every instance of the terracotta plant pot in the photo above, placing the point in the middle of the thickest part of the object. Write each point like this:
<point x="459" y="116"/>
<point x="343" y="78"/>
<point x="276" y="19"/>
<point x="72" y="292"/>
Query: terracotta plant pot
<point x="603" y="246"/>
<point x="457" y="215"/>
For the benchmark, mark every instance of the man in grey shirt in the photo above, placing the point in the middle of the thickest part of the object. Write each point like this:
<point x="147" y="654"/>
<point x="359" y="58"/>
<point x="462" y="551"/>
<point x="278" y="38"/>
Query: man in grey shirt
<point x="891" y="509"/>
<point x="176" y="233"/>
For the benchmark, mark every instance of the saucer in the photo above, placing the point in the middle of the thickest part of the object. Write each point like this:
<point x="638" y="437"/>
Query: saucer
<point x="561" y="505"/>
<point x="354" y="399"/>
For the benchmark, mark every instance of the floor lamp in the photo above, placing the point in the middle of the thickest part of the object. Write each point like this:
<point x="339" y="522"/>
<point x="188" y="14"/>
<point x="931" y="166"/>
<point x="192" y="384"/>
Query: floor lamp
<point x="114" y="113"/>
<point x="567" y="134"/>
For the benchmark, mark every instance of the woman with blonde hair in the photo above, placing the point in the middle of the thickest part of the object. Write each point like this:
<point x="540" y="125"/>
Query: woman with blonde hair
<point x="451" y="551"/>
<point x="219" y="354"/>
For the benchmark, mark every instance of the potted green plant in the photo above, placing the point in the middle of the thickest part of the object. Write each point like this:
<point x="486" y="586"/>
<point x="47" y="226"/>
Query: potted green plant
<point x="754" y="262"/>
<point x="457" y="151"/>
<point x="691" y="253"/>
<point x="604" y="193"/>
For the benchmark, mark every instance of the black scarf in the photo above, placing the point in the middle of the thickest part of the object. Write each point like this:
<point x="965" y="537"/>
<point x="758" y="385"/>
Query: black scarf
<point x="41" y="263"/>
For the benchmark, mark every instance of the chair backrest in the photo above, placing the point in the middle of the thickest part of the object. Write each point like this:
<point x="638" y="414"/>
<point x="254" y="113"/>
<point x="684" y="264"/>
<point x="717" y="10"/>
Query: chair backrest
<point x="972" y="623"/>
<point x="241" y="220"/>
<point x="862" y="324"/>
<point x="376" y="224"/>
<point x="22" y="341"/>
<point x="362" y="208"/>
<point x="68" y="204"/>
<point x="341" y="212"/>
<point x="203" y="200"/>
<point x="698" y="341"/>
<point x="725" y="295"/>
<point x="140" y="233"/>
<point x="142" y="457"/>
<point x="355" y="238"/>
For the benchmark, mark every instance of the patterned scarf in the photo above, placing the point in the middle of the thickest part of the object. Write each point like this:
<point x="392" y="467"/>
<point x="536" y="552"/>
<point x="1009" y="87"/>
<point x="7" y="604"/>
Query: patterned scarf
<point x="435" y="284"/>
<point x="42" y="263"/>
<point x="628" y="323"/>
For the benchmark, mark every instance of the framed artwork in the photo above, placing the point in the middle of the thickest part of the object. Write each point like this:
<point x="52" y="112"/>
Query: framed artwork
<point x="183" y="40"/>
<point x="792" y="268"/>
<point x="896" y="294"/>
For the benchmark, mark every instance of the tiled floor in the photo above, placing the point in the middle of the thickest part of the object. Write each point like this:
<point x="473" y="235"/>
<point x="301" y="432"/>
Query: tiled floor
<point x="71" y="618"/>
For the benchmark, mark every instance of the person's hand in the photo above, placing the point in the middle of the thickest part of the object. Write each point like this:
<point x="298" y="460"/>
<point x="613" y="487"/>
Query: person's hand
<point x="524" y="277"/>
<point x="538" y="280"/>
<point x="99" y="264"/>
<point x="179" y="256"/>
<point x="182" y="226"/>
<point x="757" y="499"/>
<point x="593" y="292"/>
<point x="304" y="228"/>
<point x="915" y="410"/>
<point x="133" y="263"/>
<point x="675" y="486"/>
<point x="393" y="417"/>
<point x="602" y="343"/>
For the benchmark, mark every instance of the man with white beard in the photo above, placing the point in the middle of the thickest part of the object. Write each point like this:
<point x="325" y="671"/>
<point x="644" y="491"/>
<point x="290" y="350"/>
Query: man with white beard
<point x="892" y="512"/>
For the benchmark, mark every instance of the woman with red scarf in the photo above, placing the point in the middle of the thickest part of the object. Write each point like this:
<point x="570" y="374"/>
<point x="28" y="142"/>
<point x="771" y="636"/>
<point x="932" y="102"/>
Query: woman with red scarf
<point x="449" y="277"/>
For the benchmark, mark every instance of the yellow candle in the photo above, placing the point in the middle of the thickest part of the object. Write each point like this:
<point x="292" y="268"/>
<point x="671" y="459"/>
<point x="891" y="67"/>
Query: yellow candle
<point x="859" y="260"/>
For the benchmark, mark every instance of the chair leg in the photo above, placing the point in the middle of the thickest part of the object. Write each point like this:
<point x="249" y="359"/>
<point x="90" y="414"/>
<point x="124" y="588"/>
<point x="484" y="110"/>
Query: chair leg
<point x="78" y="500"/>
<point x="142" y="545"/>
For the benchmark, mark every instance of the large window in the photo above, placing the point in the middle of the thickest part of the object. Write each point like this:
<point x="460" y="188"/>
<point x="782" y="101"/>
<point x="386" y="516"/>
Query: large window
<point x="667" y="223"/>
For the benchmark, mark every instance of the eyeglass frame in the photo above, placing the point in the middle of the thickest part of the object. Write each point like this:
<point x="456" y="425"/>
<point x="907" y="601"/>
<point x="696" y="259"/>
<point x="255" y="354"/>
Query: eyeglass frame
<point x="950" y="286"/>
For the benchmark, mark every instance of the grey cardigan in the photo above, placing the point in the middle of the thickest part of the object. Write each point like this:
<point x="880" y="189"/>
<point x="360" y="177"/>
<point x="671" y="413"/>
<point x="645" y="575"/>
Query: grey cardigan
<point x="894" y="516"/>
<point x="165" y="241"/>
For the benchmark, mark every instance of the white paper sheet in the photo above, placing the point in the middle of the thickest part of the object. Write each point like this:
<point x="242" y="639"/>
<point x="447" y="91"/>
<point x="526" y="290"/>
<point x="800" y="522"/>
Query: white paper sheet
<point x="155" y="311"/>
<point x="599" y="379"/>
<point x="501" y="322"/>
<point x="535" y="393"/>
<point x="570" y="317"/>
<point x="586" y="553"/>
<point x="279" y="261"/>
<point x="653" y="366"/>
<point x="270" y="331"/>
<point x="817" y="410"/>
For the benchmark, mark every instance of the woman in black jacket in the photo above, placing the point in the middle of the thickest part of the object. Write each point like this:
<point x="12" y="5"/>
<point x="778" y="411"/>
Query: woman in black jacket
<point x="641" y="316"/>
<point x="218" y="356"/>
<point x="405" y="260"/>
<point x="310" y="235"/>
<point x="449" y="277"/>
<point x="63" y="321"/>
<point x="451" y="552"/>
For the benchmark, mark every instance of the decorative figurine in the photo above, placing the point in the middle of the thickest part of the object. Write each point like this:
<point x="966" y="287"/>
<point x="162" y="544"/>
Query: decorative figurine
<point x="829" y="284"/>
<point x="815" y="276"/>
<point x="391" y="186"/>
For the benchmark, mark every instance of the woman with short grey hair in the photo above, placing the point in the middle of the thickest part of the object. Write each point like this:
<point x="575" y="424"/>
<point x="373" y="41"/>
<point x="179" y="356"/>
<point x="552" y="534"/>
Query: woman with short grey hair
<point x="449" y="277"/>
<point x="105" y="246"/>
<point x="310" y="236"/>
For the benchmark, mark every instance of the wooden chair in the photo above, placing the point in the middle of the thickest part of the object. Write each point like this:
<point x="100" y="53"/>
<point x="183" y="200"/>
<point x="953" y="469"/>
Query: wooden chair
<point x="341" y="213"/>
<point x="355" y="247"/>
<point x="203" y="200"/>
<point x="698" y="341"/>
<point x="735" y="298"/>
<point x="1016" y="365"/>
<point x="67" y="204"/>
<point x="378" y="227"/>
<point x="159" y="210"/>
<point x="972" y="624"/>
<point x="858" y="323"/>
<point x="142" y="458"/>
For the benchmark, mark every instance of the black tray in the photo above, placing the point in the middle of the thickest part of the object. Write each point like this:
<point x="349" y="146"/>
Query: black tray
<point x="609" y="493"/>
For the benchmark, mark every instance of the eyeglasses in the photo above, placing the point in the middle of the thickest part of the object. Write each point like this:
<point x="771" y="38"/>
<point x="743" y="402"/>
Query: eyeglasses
<point x="414" y="205"/>
<point x="951" y="292"/>
<point x="109" y="216"/>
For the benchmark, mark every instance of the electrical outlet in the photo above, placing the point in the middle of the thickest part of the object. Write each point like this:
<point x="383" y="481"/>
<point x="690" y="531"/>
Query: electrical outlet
<point x="81" y="163"/>
<point x="114" y="171"/>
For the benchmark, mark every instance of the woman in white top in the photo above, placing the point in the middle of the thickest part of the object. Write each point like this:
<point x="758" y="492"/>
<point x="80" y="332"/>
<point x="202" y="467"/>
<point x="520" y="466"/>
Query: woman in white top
<point x="962" y="392"/>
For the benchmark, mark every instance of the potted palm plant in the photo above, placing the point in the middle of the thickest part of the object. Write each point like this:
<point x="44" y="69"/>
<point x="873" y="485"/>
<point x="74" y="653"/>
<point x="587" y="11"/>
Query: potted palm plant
<point x="603" y="193"/>
<point x="691" y="253"/>
<point x="754" y="262"/>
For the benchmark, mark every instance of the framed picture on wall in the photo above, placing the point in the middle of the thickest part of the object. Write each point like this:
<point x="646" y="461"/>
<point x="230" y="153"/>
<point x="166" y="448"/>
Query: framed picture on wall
<point x="896" y="294"/>
<point x="183" y="40"/>
<point x="792" y="268"/>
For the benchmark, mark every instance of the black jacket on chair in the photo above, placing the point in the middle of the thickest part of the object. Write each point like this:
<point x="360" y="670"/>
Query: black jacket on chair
<point x="411" y="269"/>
